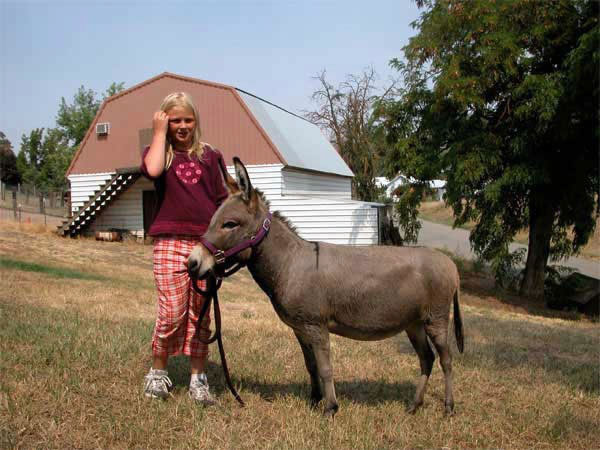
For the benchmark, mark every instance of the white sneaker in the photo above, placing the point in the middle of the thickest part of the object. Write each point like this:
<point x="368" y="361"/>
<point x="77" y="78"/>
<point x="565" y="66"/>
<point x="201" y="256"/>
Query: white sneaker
<point x="157" y="384"/>
<point x="199" y="391"/>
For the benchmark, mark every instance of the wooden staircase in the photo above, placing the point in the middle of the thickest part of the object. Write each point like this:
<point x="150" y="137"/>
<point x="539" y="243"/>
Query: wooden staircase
<point x="99" y="201"/>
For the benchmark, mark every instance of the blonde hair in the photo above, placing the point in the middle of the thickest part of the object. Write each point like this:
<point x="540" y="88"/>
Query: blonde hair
<point x="183" y="100"/>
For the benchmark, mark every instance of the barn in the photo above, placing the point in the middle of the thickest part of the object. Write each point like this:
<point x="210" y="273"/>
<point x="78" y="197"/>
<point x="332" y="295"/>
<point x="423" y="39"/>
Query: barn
<point x="287" y="157"/>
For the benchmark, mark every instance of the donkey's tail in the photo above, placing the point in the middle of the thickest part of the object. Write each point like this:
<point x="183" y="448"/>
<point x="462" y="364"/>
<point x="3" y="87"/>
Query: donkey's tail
<point x="458" y="324"/>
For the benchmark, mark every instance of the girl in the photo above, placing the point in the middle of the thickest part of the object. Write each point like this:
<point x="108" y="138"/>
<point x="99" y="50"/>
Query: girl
<point x="190" y="188"/>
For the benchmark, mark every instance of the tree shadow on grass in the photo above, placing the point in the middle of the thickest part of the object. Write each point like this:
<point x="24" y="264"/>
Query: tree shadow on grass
<point x="562" y="353"/>
<point x="485" y="293"/>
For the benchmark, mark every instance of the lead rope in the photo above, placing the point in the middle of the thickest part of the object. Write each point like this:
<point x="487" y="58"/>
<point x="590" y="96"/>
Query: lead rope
<point x="210" y="294"/>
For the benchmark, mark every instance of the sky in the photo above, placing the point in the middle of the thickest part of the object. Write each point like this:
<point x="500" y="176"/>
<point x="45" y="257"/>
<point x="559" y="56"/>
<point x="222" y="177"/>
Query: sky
<point x="270" y="48"/>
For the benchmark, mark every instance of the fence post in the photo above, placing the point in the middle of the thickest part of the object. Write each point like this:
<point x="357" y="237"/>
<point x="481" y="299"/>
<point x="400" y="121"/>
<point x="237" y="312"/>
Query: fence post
<point x="41" y="203"/>
<point x="14" y="196"/>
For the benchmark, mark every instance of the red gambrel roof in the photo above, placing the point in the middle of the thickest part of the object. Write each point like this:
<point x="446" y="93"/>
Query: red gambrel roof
<point x="226" y="121"/>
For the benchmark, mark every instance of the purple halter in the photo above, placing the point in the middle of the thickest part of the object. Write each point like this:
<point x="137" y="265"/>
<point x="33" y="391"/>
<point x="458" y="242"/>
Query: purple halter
<point x="221" y="256"/>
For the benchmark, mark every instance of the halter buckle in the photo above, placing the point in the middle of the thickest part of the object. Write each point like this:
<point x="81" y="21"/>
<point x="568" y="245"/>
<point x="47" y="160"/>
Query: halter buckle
<point x="219" y="257"/>
<point x="266" y="224"/>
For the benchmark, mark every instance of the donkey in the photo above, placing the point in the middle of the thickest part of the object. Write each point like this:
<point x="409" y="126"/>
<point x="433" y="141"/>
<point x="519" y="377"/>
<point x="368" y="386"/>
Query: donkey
<point x="363" y="293"/>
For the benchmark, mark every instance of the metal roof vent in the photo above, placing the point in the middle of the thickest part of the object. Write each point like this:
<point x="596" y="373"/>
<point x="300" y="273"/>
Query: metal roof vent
<point x="102" y="129"/>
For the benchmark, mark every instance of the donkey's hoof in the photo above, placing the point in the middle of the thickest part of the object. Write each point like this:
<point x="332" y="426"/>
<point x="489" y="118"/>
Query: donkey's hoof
<point x="330" y="411"/>
<point x="412" y="409"/>
<point x="449" y="410"/>
<point x="314" y="402"/>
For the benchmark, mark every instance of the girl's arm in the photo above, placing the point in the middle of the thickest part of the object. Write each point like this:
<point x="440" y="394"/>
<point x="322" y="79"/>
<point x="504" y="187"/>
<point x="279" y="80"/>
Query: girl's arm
<point x="155" y="158"/>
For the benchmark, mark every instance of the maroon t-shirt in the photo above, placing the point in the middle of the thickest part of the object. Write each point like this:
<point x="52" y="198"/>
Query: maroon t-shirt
<point x="189" y="193"/>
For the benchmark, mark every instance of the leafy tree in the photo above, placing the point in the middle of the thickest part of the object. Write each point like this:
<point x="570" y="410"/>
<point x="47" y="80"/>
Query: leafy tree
<point x="345" y="113"/>
<point x="501" y="97"/>
<point x="45" y="154"/>
<point x="74" y="119"/>
<point x="8" y="162"/>
<point x="44" y="158"/>
<point x="31" y="157"/>
<point x="113" y="89"/>
<point x="57" y="156"/>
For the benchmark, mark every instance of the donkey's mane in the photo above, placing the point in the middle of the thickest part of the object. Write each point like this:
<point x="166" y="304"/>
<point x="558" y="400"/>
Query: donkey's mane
<point x="277" y="214"/>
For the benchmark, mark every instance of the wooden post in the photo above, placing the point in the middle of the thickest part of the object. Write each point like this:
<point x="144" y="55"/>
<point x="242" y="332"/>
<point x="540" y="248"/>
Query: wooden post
<point x="14" y="198"/>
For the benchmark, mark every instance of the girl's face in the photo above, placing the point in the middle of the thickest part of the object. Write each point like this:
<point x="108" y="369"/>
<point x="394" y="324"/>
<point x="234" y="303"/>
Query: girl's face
<point x="181" y="127"/>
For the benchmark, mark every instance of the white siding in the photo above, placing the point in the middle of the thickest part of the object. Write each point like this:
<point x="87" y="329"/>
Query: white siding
<point x="126" y="212"/>
<point x="83" y="187"/>
<point x="333" y="220"/>
<point x="297" y="182"/>
<point x="326" y="214"/>
<point x="267" y="178"/>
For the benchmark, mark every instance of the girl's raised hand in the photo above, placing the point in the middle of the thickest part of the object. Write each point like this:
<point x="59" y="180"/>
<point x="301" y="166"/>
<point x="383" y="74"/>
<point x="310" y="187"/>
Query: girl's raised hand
<point x="160" y="122"/>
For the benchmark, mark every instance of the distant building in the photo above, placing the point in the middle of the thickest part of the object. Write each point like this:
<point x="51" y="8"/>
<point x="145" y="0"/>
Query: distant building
<point x="437" y="186"/>
<point x="287" y="157"/>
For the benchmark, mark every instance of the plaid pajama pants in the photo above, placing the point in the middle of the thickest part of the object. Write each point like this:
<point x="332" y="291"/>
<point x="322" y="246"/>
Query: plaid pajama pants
<point x="177" y="329"/>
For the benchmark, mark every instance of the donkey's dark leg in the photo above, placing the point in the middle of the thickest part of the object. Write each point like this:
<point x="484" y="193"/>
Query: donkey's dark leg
<point x="319" y="341"/>
<point x="311" y="366"/>
<point x="418" y="339"/>
<point x="438" y="333"/>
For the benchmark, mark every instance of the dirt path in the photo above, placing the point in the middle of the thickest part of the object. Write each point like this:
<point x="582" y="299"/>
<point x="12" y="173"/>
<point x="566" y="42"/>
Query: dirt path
<point x="457" y="241"/>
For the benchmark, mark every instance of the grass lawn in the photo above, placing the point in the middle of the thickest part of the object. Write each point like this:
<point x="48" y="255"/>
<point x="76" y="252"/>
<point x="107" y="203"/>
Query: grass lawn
<point x="438" y="212"/>
<point x="76" y="317"/>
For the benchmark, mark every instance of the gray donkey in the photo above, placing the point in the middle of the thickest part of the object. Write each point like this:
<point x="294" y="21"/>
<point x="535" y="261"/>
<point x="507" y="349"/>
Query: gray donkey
<point x="363" y="293"/>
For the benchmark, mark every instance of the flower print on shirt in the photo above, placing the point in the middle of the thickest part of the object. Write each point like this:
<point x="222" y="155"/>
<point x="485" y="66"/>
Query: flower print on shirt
<point x="188" y="172"/>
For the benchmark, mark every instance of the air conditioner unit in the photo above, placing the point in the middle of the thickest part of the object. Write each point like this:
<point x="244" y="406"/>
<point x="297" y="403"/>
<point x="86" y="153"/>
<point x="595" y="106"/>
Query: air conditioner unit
<point x="102" y="129"/>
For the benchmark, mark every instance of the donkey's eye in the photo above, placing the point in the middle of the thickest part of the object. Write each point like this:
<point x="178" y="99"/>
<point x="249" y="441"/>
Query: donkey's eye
<point x="230" y="224"/>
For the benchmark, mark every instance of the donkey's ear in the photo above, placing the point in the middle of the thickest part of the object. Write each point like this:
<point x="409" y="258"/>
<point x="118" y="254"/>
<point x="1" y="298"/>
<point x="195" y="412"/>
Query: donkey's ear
<point x="243" y="180"/>
<point x="228" y="181"/>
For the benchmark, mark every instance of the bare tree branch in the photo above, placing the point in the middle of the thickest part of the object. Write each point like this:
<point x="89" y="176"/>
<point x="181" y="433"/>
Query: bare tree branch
<point x="345" y="114"/>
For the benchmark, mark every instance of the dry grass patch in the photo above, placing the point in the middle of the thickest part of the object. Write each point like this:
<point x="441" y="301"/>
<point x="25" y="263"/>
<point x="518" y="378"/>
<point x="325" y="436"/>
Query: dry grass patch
<point x="74" y="352"/>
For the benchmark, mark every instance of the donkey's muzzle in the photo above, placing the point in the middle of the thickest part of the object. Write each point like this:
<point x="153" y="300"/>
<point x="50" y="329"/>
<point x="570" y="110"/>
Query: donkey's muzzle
<point x="194" y="271"/>
<point x="193" y="267"/>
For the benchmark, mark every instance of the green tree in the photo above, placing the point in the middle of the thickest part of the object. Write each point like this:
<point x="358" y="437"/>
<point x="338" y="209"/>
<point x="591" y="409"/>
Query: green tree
<point x="31" y="157"/>
<point x="501" y="97"/>
<point x="114" y="89"/>
<point x="8" y="162"/>
<point x="46" y="154"/>
<point x="345" y="113"/>
<point x="44" y="158"/>
<point x="74" y="119"/>
<point x="57" y="155"/>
